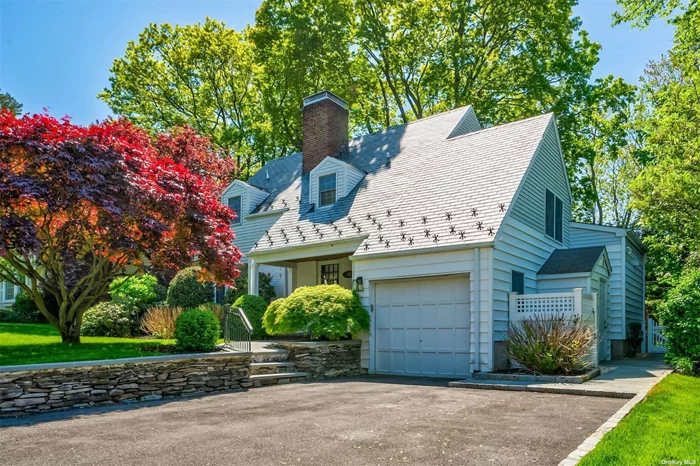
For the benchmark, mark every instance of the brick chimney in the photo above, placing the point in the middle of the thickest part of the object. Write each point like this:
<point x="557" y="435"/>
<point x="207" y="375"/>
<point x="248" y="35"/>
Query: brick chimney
<point x="325" y="128"/>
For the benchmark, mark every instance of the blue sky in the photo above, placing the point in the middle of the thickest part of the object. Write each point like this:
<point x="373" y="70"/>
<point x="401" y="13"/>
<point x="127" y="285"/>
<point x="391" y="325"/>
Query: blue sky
<point x="56" y="54"/>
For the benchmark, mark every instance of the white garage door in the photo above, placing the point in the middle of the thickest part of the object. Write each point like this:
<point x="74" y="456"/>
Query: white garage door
<point x="422" y="327"/>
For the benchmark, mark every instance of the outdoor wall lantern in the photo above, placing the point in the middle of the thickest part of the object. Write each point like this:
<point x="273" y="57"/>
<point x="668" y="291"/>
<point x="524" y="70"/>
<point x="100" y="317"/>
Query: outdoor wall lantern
<point x="358" y="284"/>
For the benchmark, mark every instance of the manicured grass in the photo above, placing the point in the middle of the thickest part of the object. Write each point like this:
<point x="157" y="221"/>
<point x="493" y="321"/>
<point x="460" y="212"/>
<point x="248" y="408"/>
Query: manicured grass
<point x="41" y="343"/>
<point x="664" y="427"/>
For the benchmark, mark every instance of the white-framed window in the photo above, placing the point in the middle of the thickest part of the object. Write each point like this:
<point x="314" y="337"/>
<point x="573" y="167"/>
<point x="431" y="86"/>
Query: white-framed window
<point x="9" y="291"/>
<point x="517" y="282"/>
<point x="326" y="190"/>
<point x="554" y="212"/>
<point x="234" y="203"/>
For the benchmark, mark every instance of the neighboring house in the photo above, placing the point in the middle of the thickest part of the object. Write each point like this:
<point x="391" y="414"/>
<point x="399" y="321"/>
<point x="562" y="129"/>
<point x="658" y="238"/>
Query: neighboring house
<point x="8" y="291"/>
<point x="436" y="224"/>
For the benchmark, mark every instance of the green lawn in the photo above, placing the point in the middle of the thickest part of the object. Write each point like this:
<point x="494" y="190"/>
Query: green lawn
<point x="664" y="427"/>
<point x="41" y="343"/>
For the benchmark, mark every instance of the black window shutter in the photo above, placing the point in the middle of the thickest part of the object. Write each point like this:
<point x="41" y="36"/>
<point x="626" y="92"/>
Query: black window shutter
<point x="558" y="225"/>
<point x="549" y="214"/>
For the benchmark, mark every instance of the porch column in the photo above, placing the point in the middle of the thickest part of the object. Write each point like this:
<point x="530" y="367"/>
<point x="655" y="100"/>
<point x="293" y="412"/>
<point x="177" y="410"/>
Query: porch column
<point x="253" y="271"/>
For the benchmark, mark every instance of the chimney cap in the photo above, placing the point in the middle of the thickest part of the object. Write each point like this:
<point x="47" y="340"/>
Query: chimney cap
<point x="319" y="96"/>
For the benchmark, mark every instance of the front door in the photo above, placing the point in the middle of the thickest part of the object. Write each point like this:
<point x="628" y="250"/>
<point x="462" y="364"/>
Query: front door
<point x="603" y="320"/>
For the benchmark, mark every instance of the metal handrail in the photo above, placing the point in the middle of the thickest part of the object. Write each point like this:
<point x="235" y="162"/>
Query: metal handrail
<point x="237" y="329"/>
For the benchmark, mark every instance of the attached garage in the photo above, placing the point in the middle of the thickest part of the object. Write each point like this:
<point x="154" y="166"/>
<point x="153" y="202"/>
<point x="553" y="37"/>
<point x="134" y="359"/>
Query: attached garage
<point x="422" y="326"/>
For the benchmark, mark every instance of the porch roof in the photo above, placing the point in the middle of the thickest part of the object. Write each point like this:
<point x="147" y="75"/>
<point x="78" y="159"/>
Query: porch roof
<point x="573" y="260"/>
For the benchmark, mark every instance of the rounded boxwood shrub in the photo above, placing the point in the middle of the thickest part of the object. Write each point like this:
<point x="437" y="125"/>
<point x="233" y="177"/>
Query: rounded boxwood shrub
<point x="324" y="311"/>
<point x="139" y="290"/>
<point x="187" y="292"/>
<point x="254" y="308"/>
<point x="24" y="309"/>
<point x="680" y="316"/>
<point x="109" y="319"/>
<point x="196" y="330"/>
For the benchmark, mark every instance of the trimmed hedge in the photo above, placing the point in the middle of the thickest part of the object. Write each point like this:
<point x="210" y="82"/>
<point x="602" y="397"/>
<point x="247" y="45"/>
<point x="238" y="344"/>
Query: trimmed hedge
<point x="323" y="311"/>
<point x="24" y="309"/>
<point x="254" y="308"/>
<point x="196" y="330"/>
<point x="187" y="292"/>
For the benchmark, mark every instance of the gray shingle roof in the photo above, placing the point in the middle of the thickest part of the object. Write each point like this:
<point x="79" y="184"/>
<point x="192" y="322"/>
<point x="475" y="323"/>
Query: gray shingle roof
<point x="575" y="260"/>
<point x="421" y="190"/>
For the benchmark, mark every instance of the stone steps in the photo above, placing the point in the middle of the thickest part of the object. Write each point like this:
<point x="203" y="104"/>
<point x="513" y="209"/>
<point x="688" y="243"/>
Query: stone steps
<point x="278" y="378"/>
<point x="258" y="368"/>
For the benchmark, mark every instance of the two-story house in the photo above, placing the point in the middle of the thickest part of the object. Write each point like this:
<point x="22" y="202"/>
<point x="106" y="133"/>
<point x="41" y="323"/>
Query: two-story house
<point x="436" y="224"/>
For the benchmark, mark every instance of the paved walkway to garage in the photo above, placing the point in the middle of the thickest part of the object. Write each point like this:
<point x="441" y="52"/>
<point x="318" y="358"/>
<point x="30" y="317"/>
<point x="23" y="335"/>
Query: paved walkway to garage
<point x="362" y="421"/>
<point x="619" y="379"/>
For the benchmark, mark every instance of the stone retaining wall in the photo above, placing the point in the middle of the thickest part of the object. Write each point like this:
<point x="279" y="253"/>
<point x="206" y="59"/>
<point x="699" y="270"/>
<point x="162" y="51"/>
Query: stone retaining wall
<point x="325" y="359"/>
<point x="34" y="391"/>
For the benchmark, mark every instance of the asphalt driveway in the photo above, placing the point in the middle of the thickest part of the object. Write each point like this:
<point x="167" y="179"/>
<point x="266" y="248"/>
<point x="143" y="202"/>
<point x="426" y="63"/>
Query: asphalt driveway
<point x="364" y="421"/>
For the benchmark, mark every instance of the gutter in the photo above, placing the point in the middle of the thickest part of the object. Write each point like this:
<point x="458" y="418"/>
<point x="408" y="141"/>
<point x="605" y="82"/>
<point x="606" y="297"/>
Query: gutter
<point x="266" y="213"/>
<point x="354" y="239"/>
<point x="413" y="252"/>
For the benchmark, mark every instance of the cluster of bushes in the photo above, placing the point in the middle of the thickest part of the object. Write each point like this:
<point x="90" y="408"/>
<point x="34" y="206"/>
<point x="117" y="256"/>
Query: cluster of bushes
<point x="680" y="316"/>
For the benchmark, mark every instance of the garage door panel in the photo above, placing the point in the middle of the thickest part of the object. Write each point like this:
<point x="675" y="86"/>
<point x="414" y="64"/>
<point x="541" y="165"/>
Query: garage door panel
<point x="462" y="363"/>
<point x="398" y="316"/>
<point x="398" y="339"/>
<point x="462" y="316"/>
<point x="428" y="339"/>
<point x="422" y="327"/>
<point x="427" y="315"/>
<point x="413" y="339"/>
<point x="461" y="339"/>
<point x="445" y="315"/>
<point x="445" y="339"/>
<point x="445" y="363"/>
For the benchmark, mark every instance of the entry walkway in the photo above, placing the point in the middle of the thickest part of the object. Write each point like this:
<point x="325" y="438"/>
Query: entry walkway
<point x="619" y="379"/>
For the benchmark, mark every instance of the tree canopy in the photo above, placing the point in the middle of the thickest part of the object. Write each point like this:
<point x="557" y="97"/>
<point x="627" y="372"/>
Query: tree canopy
<point x="393" y="62"/>
<point x="81" y="206"/>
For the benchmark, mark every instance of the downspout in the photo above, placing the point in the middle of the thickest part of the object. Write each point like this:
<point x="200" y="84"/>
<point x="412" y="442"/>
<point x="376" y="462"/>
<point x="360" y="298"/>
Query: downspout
<point x="476" y="366"/>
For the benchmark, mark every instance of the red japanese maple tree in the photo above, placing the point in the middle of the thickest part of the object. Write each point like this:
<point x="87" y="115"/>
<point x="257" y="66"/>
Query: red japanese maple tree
<point x="80" y="206"/>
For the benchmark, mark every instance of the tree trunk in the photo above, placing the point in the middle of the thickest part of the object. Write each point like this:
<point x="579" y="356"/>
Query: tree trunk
<point x="70" y="338"/>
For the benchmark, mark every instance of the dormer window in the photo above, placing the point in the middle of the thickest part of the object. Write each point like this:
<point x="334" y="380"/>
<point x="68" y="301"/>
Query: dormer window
<point x="234" y="203"/>
<point x="326" y="190"/>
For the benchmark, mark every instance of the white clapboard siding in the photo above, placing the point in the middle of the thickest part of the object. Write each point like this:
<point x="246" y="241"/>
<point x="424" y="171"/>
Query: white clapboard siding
<point x="547" y="171"/>
<point x="582" y="237"/>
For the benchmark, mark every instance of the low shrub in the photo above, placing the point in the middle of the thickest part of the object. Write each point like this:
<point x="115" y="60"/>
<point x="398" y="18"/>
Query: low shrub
<point x="323" y="311"/>
<point x="108" y="319"/>
<point x="265" y="288"/>
<point x="196" y="330"/>
<point x="254" y="308"/>
<point x="139" y="290"/>
<point x="159" y="321"/>
<point x="187" y="291"/>
<point x="24" y="309"/>
<point x="680" y="316"/>
<point x="551" y="344"/>
<point x="219" y="310"/>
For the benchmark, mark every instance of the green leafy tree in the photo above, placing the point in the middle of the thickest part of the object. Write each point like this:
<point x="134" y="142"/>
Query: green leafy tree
<point x="10" y="103"/>
<point x="201" y="75"/>
<point x="666" y="191"/>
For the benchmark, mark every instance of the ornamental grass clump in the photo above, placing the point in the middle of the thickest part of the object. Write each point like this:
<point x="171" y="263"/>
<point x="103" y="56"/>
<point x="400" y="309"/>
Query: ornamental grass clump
<point x="324" y="311"/>
<point x="551" y="344"/>
<point x="159" y="321"/>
